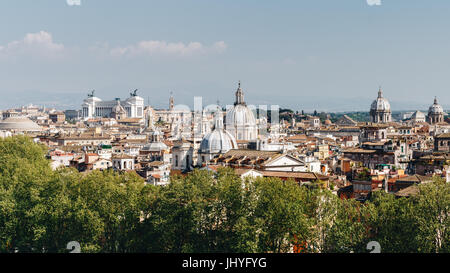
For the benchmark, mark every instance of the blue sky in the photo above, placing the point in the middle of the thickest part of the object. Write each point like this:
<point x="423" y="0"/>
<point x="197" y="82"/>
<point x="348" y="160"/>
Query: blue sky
<point x="316" y="54"/>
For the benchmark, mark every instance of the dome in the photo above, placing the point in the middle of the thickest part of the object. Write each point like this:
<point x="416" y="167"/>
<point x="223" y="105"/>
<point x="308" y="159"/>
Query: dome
<point x="436" y="108"/>
<point x="154" y="147"/>
<point x="240" y="120"/>
<point x="418" y="115"/>
<point x="240" y="115"/>
<point x="380" y="104"/>
<point x="23" y="124"/>
<point x="218" y="141"/>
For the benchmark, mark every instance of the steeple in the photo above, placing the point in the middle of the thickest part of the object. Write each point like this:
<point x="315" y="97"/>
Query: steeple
<point x="435" y="100"/>
<point x="171" y="101"/>
<point x="239" y="95"/>
<point x="380" y="92"/>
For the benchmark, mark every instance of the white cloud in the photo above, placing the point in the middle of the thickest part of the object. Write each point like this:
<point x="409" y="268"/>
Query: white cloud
<point x="374" y="2"/>
<point x="153" y="48"/>
<point x="220" y="46"/>
<point x="40" y="43"/>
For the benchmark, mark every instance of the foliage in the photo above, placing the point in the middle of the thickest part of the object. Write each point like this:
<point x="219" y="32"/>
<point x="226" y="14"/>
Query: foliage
<point x="41" y="210"/>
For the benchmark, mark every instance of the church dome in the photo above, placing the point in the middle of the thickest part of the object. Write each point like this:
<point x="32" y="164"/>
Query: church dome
<point x="435" y="108"/>
<point x="154" y="147"/>
<point x="218" y="141"/>
<point x="380" y="104"/>
<point x="22" y="124"/>
<point x="156" y="143"/>
<point x="240" y="115"/>
<point x="418" y="115"/>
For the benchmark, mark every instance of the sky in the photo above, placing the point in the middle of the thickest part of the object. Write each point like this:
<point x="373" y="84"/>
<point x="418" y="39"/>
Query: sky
<point x="324" y="55"/>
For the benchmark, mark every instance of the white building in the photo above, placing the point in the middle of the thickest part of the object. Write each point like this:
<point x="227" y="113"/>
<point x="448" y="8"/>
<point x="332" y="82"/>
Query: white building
<point x="240" y="120"/>
<point x="94" y="107"/>
<point x="123" y="162"/>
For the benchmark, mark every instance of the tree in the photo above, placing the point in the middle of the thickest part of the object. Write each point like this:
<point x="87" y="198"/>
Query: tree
<point x="282" y="214"/>
<point x="431" y="215"/>
<point x="41" y="210"/>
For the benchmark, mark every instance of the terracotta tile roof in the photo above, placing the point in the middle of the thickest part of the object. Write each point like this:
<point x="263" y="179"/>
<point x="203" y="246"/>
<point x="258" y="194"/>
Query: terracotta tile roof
<point x="415" y="178"/>
<point x="299" y="175"/>
<point x="156" y="163"/>
<point x="409" y="191"/>
<point x="122" y="156"/>
<point x="446" y="135"/>
<point x="359" y="150"/>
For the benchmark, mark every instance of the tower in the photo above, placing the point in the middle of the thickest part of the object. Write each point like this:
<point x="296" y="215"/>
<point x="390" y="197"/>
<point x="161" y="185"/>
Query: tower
<point x="239" y="95"/>
<point x="171" y="102"/>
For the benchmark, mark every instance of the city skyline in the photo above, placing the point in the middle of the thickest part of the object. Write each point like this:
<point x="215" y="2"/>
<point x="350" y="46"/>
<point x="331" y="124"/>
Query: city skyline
<point x="73" y="101"/>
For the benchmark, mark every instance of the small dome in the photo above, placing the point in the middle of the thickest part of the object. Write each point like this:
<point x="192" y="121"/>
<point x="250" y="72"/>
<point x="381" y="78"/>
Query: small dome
<point x="218" y="141"/>
<point x="435" y="108"/>
<point x="418" y="115"/>
<point x="328" y="122"/>
<point x="380" y="104"/>
<point x="154" y="147"/>
<point x="156" y="144"/>
<point x="22" y="124"/>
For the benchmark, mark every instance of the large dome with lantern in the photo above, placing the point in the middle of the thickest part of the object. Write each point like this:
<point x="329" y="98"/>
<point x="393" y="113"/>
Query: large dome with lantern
<point x="380" y="103"/>
<point x="219" y="140"/>
<point x="380" y="109"/>
<point x="436" y="108"/>
<point x="240" y="119"/>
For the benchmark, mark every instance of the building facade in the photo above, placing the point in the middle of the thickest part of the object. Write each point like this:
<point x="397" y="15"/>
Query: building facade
<point x="94" y="107"/>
